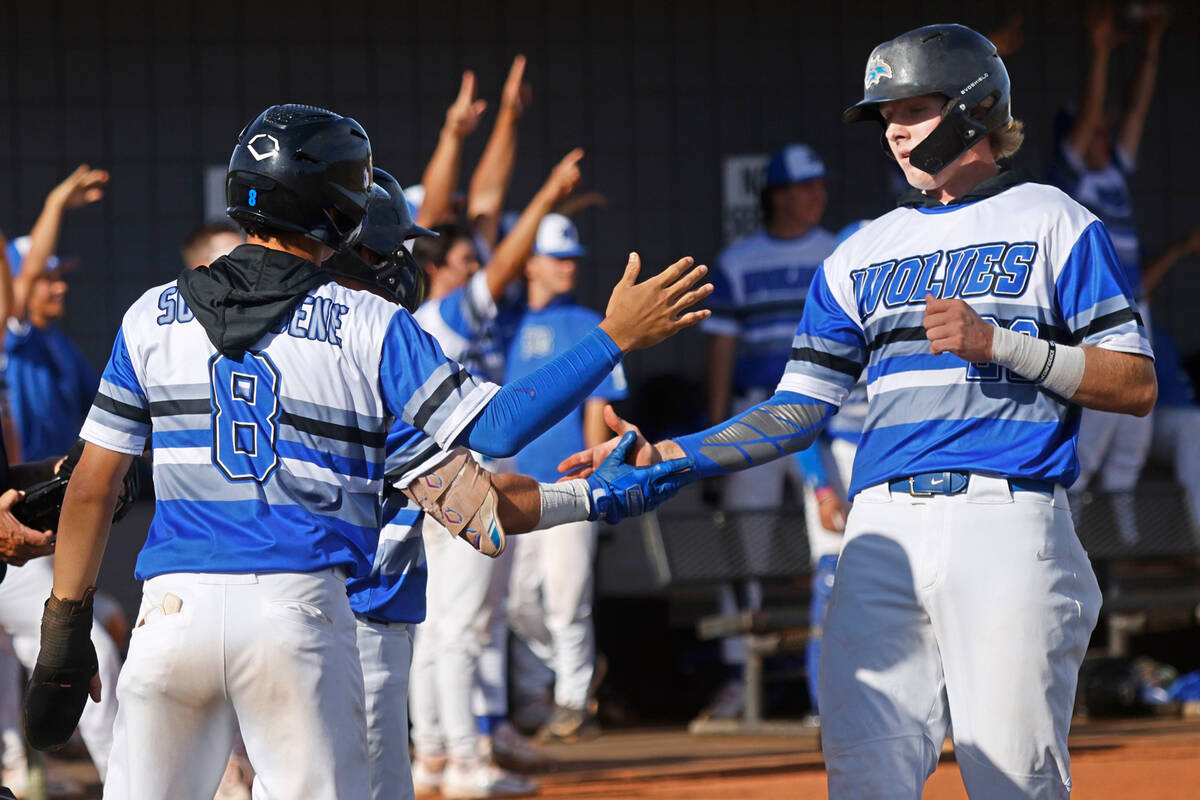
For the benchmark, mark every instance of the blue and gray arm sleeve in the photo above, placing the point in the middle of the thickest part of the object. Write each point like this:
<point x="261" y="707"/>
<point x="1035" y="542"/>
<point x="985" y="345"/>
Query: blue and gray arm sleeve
<point x="784" y="423"/>
<point x="524" y="409"/>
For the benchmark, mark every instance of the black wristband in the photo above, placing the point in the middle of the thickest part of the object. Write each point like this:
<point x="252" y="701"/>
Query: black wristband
<point x="1047" y="366"/>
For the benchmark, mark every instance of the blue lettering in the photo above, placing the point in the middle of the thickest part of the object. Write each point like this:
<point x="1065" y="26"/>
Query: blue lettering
<point x="335" y="323"/>
<point x="925" y="280"/>
<point x="319" y="325"/>
<point x="299" y="324"/>
<point x="957" y="262"/>
<point x="166" y="301"/>
<point x="904" y="281"/>
<point x="868" y="285"/>
<point x="982" y="276"/>
<point x="1015" y="268"/>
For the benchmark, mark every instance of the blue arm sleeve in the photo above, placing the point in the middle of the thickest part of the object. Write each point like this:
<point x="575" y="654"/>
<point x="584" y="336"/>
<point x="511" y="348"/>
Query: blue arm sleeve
<point x="812" y="467"/>
<point x="524" y="409"/>
<point x="783" y="423"/>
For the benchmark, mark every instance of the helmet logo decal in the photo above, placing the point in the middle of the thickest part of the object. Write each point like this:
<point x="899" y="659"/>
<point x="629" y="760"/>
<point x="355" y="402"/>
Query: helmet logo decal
<point x="975" y="83"/>
<point x="267" y="148"/>
<point x="877" y="70"/>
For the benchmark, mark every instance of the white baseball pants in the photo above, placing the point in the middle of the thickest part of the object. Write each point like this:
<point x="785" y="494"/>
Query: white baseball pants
<point x="385" y="651"/>
<point x="23" y="595"/>
<point x="459" y="661"/>
<point x="1176" y="441"/>
<point x="550" y="610"/>
<point x="273" y="654"/>
<point x="970" y="611"/>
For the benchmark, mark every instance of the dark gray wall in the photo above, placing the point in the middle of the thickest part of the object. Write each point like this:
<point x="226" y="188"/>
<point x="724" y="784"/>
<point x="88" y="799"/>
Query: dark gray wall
<point x="656" y="92"/>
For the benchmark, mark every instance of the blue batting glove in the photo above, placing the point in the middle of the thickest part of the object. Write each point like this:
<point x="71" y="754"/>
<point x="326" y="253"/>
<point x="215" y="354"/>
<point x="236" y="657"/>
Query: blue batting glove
<point x="622" y="490"/>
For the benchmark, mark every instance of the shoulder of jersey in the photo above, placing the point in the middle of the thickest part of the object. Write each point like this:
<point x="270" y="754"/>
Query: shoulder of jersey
<point x="367" y="306"/>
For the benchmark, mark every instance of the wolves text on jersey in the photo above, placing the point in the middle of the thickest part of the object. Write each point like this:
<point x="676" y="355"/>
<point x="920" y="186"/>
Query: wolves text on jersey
<point x="995" y="268"/>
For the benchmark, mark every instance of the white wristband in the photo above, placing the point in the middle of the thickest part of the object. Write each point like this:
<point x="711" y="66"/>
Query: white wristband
<point x="569" y="501"/>
<point x="1057" y="367"/>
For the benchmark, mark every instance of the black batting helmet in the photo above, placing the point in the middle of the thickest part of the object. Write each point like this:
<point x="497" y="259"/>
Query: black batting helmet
<point x="386" y="227"/>
<point x="951" y="60"/>
<point x="302" y="169"/>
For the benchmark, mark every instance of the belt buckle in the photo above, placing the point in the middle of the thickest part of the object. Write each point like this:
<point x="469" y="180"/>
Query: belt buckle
<point x="912" y="488"/>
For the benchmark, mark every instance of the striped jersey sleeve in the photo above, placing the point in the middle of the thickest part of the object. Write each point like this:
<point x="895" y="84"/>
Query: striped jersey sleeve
<point x="423" y="387"/>
<point x="119" y="419"/>
<point x="1095" y="299"/>
<point x="829" y="350"/>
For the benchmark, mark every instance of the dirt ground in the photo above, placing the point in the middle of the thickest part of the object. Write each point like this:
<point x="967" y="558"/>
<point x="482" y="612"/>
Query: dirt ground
<point x="1155" y="758"/>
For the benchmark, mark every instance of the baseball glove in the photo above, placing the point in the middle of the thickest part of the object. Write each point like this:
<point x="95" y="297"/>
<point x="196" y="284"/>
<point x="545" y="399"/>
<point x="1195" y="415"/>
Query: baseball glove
<point x="42" y="503"/>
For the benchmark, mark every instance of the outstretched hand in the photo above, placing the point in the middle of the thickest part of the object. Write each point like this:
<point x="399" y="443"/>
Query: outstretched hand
<point x="82" y="187"/>
<point x="463" y="115"/>
<point x="640" y="315"/>
<point x="516" y="93"/>
<point x="565" y="176"/>
<point x="620" y="490"/>
<point x="640" y="452"/>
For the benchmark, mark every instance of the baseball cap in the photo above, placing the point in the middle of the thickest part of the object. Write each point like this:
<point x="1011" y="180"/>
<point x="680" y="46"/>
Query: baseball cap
<point x="557" y="237"/>
<point x="794" y="163"/>
<point x="18" y="248"/>
<point x="415" y="195"/>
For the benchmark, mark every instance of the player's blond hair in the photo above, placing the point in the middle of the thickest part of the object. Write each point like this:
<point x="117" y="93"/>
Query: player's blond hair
<point x="1007" y="141"/>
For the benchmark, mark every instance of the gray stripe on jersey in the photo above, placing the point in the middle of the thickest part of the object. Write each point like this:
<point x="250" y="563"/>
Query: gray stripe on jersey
<point x="1083" y="318"/>
<point x="183" y="422"/>
<point x="200" y="481"/>
<point x="118" y="423"/>
<point x="809" y="368"/>
<point x="1019" y="402"/>
<point x="178" y="391"/>
<point x="334" y="416"/>
<point x="436" y="378"/>
<point x="122" y="395"/>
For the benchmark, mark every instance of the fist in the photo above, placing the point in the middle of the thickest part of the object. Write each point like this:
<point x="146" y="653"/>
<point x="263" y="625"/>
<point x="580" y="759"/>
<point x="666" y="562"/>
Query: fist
<point x="952" y="326"/>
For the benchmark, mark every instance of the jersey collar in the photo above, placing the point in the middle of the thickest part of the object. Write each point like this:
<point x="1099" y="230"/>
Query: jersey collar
<point x="915" y="198"/>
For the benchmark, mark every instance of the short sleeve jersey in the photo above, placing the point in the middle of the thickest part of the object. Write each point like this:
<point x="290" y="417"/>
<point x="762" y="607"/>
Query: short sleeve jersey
<point x="50" y="386"/>
<point x="464" y="322"/>
<point x="274" y="461"/>
<point x="759" y="289"/>
<point x="1104" y="192"/>
<point x="542" y="336"/>
<point x="1029" y="259"/>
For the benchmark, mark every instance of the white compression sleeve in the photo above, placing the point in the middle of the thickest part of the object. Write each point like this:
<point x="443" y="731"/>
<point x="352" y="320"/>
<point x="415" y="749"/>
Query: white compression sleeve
<point x="1058" y="367"/>
<point x="569" y="501"/>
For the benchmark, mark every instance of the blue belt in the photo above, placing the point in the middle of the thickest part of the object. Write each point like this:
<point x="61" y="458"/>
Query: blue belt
<point x="927" y="484"/>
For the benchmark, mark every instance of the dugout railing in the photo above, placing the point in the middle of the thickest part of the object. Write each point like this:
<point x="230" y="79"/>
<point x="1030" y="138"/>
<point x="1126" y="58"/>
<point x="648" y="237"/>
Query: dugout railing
<point x="1144" y="546"/>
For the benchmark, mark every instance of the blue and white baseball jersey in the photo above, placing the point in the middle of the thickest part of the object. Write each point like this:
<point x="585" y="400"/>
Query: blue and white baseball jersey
<point x="50" y="386"/>
<point x="1028" y="258"/>
<point x="1104" y="192"/>
<point x="464" y="323"/>
<point x="274" y="462"/>
<point x="542" y="336"/>
<point x="759" y="289"/>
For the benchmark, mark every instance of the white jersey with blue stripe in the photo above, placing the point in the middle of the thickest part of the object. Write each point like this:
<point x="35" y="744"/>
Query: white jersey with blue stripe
<point x="274" y="462"/>
<point x="1028" y="258"/>
<point x="462" y="321"/>
<point x="759" y="289"/>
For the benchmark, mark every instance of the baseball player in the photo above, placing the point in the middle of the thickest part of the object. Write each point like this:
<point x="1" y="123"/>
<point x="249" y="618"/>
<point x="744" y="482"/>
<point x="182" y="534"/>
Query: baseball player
<point x="760" y="287"/>
<point x="550" y="596"/>
<point x="983" y="311"/>
<point x="459" y="676"/>
<point x="1093" y="167"/>
<point x="389" y="600"/>
<point x="268" y="392"/>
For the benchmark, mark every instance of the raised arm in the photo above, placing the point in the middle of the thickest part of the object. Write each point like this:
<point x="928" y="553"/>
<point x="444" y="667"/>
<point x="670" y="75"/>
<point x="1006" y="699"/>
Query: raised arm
<point x="490" y="181"/>
<point x="441" y="174"/>
<point x="510" y="255"/>
<point x="1103" y="37"/>
<point x="1141" y="87"/>
<point x="83" y="186"/>
<point x="1156" y="268"/>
